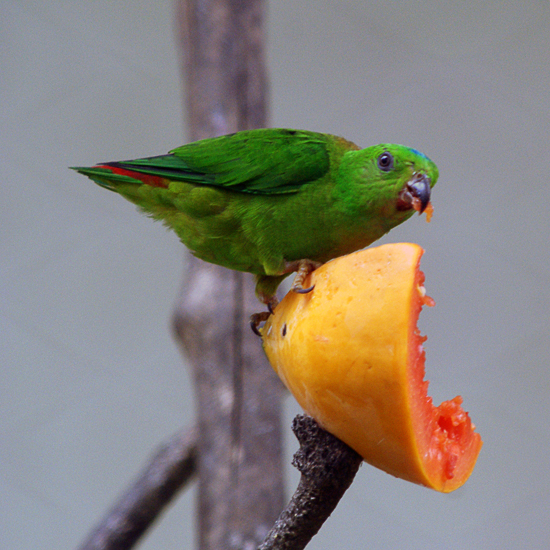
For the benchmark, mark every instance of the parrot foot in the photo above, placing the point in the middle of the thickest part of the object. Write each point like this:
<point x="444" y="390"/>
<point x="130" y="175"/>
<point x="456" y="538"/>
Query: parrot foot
<point x="256" y="320"/>
<point x="303" y="268"/>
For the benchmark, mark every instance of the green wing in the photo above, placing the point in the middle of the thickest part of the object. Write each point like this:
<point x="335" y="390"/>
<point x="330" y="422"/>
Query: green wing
<point x="263" y="161"/>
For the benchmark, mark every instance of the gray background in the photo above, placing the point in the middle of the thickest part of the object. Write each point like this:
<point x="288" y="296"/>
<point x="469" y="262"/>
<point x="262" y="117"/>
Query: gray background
<point x="91" y="380"/>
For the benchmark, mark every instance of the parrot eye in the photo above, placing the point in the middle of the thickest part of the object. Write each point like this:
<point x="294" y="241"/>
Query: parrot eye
<point x="385" y="162"/>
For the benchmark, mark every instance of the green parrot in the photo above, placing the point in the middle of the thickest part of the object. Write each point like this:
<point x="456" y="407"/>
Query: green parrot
<point x="275" y="201"/>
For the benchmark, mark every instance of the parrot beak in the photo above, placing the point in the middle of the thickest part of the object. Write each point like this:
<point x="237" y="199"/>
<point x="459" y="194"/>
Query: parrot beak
<point x="415" y="194"/>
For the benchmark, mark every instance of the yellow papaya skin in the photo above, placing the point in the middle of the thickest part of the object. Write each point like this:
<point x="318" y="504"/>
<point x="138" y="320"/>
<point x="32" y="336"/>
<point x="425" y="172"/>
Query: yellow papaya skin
<point x="351" y="354"/>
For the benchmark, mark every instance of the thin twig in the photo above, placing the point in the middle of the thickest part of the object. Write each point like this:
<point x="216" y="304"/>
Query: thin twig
<point x="328" y="467"/>
<point x="167" y="472"/>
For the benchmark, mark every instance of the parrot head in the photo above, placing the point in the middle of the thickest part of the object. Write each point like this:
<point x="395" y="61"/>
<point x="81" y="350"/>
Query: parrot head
<point x="387" y="181"/>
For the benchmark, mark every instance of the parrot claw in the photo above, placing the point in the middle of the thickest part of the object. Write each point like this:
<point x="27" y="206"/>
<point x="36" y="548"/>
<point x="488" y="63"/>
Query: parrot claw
<point x="272" y="304"/>
<point x="301" y="290"/>
<point x="303" y="269"/>
<point x="256" y="319"/>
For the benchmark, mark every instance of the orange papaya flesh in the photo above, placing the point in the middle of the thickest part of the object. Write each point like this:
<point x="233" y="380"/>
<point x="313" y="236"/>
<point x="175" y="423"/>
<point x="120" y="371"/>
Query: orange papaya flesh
<point x="351" y="354"/>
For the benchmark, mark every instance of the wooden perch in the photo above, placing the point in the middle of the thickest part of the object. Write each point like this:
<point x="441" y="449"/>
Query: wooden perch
<point x="328" y="467"/>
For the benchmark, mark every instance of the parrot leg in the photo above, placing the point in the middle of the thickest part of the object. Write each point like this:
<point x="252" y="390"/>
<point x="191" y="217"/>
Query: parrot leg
<point x="303" y="268"/>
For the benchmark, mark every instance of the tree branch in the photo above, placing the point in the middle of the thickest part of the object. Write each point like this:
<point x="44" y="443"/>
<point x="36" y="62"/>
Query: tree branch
<point x="168" y="471"/>
<point x="328" y="467"/>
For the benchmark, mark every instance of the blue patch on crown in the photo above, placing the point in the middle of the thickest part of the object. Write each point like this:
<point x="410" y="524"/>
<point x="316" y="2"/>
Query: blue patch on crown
<point x="420" y="154"/>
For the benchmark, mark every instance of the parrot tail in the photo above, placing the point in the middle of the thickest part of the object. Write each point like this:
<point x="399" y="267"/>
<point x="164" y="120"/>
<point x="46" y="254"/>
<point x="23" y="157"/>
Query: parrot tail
<point x="110" y="175"/>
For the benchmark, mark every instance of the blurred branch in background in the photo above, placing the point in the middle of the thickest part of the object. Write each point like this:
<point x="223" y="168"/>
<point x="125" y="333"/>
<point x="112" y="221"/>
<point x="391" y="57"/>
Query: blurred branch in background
<point x="168" y="471"/>
<point x="241" y="489"/>
<point x="328" y="467"/>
